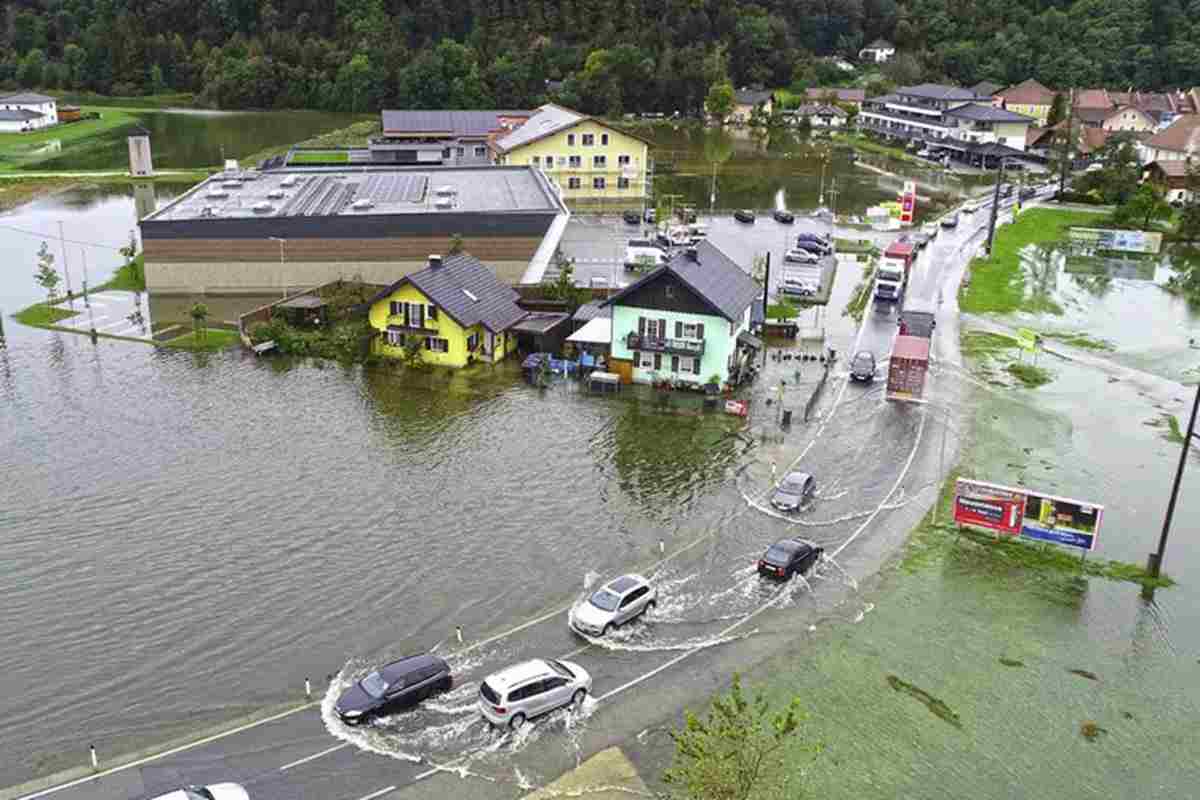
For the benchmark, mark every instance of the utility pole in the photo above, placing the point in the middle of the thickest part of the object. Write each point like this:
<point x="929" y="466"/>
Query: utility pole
<point x="1154" y="564"/>
<point x="1066" y="151"/>
<point x="62" y="243"/>
<point x="995" y="207"/>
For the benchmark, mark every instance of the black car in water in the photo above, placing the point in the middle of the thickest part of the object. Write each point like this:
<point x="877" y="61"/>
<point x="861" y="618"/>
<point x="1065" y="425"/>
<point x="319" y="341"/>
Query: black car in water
<point x="786" y="217"/>
<point x="744" y="215"/>
<point x="862" y="366"/>
<point x="398" y="685"/>
<point x="788" y="557"/>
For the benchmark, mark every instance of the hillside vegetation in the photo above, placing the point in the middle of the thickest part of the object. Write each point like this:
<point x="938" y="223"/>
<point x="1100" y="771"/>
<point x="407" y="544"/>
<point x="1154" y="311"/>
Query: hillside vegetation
<point x="612" y="56"/>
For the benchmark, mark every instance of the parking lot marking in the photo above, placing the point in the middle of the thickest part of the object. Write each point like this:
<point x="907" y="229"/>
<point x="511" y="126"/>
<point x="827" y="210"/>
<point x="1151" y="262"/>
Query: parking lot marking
<point x="380" y="793"/>
<point x="305" y="760"/>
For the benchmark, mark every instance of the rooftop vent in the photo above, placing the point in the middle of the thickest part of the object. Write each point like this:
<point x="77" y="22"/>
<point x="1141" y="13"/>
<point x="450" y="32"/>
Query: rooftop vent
<point x="275" y="194"/>
<point x="435" y="260"/>
<point x="362" y="204"/>
<point x="232" y="184"/>
<point x="263" y="208"/>
<point x="443" y="202"/>
<point x="445" y="191"/>
<point x="470" y="295"/>
<point x="290" y="180"/>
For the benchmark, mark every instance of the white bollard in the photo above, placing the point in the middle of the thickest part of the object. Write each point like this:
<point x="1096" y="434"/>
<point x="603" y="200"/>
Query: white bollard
<point x="307" y="689"/>
<point x="95" y="761"/>
<point x="458" y="633"/>
<point x="662" y="547"/>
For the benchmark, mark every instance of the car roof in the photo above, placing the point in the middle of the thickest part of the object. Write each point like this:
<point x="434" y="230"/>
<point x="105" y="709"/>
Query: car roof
<point x="403" y="666"/>
<point x="519" y="673"/>
<point x="625" y="583"/>
<point x="791" y="544"/>
<point x="862" y="353"/>
<point x="797" y="474"/>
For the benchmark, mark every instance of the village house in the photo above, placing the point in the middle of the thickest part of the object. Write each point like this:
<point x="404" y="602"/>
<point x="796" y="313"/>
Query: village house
<point x="1130" y="119"/>
<point x="454" y="138"/>
<point x="989" y="89"/>
<point x="1178" y="142"/>
<point x="1029" y="98"/>
<point x="1172" y="178"/>
<point x="821" y="115"/>
<point x="877" y="52"/>
<point x="747" y="100"/>
<point x="588" y="160"/>
<point x="824" y="94"/>
<point x="455" y="311"/>
<point x="686" y="322"/>
<point x="27" y="111"/>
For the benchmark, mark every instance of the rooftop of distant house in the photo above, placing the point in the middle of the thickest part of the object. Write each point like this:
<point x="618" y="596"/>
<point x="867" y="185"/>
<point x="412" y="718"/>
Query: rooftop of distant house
<point x="365" y="192"/>
<point x="979" y="113"/>
<point x="26" y="98"/>
<point x="1028" y="93"/>
<point x="880" y="44"/>
<point x="843" y="95"/>
<point x="465" y="124"/>
<point x="751" y="96"/>
<point x="937" y="91"/>
<point x="547" y="121"/>
<point x="1183" y="135"/>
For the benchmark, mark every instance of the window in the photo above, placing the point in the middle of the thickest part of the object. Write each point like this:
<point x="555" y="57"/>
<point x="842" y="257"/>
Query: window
<point x="576" y="162"/>
<point x="570" y="140"/>
<point x="432" y="311"/>
<point x="599" y="161"/>
<point x="623" y="160"/>
<point x="445" y="152"/>
<point x="554" y="683"/>
<point x="588" y="140"/>
<point x="689" y="330"/>
<point x="598" y="183"/>
<point x="685" y="364"/>
<point x="647" y="361"/>
<point x="622" y="183"/>
<point x="436" y="345"/>
<point x="472" y="342"/>
<point x="460" y="151"/>
<point x="669" y="291"/>
<point x="604" y="139"/>
<point x="573" y="183"/>
<point x="535" y="161"/>
<point x="549" y="162"/>
<point x="395" y="338"/>
<point x="395" y="308"/>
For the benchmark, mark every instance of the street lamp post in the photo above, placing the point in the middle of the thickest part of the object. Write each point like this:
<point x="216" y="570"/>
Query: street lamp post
<point x="1154" y="564"/>
<point x="282" y="264"/>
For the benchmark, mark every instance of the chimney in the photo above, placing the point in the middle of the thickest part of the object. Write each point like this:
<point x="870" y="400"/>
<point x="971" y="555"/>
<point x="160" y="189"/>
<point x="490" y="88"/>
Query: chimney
<point x="435" y="261"/>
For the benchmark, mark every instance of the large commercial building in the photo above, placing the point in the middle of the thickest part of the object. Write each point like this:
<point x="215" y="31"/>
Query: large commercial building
<point x="260" y="232"/>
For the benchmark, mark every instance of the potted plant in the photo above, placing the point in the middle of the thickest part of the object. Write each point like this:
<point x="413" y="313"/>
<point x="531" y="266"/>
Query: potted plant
<point x="714" y="384"/>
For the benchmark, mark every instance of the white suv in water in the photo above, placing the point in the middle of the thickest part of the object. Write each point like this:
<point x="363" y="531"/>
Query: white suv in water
<point x="613" y="604"/>
<point x="530" y="689"/>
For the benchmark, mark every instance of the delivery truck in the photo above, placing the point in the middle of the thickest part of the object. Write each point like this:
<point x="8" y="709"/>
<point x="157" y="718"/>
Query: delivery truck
<point x="907" y="368"/>
<point x="891" y="276"/>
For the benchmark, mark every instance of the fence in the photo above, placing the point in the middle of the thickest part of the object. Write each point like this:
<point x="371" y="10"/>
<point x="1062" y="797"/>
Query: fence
<point x="816" y="392"/>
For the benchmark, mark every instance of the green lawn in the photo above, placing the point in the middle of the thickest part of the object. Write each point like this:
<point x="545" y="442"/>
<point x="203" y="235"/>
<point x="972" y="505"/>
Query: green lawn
<point x="853" y="246"/>
<point x="21" y="148"/>
<point x="210" y="339"/>
<point x="320" y="157"/>
<point x="173" y="100"/>
<point x="40" y="315"/>
<point x="997" y="284"/>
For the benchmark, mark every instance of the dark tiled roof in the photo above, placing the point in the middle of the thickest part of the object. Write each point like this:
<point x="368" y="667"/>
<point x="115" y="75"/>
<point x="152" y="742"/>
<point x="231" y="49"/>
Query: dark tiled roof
<point x="19" y="115"/>
<point x="980" y="113"/>
<point x="751" y="97"/>
<point x="538" y="322"/>
<point x="590" y="310"/>
<point x="986" y="88"/>
<point x="26" y="97"/>
<point x="845" y="95"/>
<point x="1093" y="115"/>
<point x="490" y="302"/>
<point x="713" y="276"/>
<point x="456" y="123"/>
<point x="936" y="91"/>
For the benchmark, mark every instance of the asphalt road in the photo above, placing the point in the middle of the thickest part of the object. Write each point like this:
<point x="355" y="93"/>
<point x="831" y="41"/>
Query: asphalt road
<point x="715" y="616"/>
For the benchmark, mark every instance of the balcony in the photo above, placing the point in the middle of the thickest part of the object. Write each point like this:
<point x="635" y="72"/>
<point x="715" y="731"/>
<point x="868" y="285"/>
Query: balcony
<point x="655" y="344"/>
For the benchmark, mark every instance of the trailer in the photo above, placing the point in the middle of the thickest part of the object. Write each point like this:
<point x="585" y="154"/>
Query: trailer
<point x="907" y="367"/>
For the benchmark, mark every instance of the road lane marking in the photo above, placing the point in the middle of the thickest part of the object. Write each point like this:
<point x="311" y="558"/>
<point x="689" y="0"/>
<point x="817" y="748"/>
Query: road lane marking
<point x="380" y="793"/>
<point x="305" y="760"/>
<point x="165" y="753"/>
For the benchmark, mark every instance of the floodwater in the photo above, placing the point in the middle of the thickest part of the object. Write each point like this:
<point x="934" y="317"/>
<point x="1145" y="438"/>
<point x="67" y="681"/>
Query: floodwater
<point x="724" y="169"/>
<point x="187" y="139"/>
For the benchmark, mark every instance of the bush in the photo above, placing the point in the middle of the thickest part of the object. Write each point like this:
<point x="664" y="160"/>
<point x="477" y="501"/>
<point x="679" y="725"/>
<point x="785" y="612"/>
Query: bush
<point x="1078" y="197"/>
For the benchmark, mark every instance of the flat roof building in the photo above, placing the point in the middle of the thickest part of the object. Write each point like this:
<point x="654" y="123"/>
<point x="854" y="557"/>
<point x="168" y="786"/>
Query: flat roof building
<point x="256" y="232"/>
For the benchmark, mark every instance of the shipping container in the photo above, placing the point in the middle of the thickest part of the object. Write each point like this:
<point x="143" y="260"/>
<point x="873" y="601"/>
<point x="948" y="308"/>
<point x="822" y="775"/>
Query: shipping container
<point x="907" y="367"/>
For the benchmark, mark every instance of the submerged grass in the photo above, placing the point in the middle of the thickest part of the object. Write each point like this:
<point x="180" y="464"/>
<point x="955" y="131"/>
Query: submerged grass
<point x="936" y="707"/>
<point x="984" y="344"/>
<point x="1029" y="375"/>
<point x="211" y="339"/>
<point x="1080" y="339"/>
<point x="997" y="284"/>
<point x="41" y="315"/>
<point x="857" y="305"/>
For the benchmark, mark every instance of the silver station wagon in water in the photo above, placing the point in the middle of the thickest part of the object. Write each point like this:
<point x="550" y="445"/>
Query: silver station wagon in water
<point x="532" y="688"/>
<point x="613" y="604"/>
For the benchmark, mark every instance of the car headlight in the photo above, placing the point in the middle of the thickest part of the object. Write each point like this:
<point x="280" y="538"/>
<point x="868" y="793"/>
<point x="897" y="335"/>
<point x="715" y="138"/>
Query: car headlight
<point x="351" y="713"/>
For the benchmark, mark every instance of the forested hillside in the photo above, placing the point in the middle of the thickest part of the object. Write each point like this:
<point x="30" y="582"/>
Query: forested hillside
<point x="614" y="55"/>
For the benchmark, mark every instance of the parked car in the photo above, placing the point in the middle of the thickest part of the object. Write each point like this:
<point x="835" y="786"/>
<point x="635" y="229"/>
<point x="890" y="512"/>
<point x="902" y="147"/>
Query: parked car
<point x="613" y="604"/>
<point x="788" y="557"/>
<point x="214" y="791"/>
<point x="968" y="210"/>
<point x="649" y="216"/>
<point x="631" y="217"/>
<point x="862" y="366"/>
<point x="813" y="237"/>
<point x="793" y="490"/>
<point x="820" y="248"/>
<point x="950" y="221"/>
<point x="802" y="256"/>
<point x="532" y="688"/>
<point x="797" y="287"/>
<point x="786" y="217"/>
<point x="744" y="215"/>
<point x="397" y="685"/>
<point x="1027" y="193"/>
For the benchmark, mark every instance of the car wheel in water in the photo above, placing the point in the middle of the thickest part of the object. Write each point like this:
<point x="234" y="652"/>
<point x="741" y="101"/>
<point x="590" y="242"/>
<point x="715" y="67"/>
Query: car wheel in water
<point x="577" y="699"/>
<point x="653" y="604"/>
<point x="607" y="629"/>
<point x="517" y="722"/>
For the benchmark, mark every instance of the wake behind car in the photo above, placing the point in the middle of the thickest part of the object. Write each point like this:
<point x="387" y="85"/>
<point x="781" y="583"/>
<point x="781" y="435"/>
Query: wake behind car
<point x="398" y="685"/>
<point x="793" y="490"/>
<point x="788" y="557"/>
<point x="615" y="603"/>
<point x="214" y="791"/>
<point x="532" y="688"/>
<point x="744" y="215"/>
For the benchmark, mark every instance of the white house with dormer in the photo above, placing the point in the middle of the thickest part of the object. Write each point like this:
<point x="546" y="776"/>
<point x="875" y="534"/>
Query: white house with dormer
<point x="27" y="111"/>
<point x="879" y="51"/>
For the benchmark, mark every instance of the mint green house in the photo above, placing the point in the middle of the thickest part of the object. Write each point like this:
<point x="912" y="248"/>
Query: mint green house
<point x="686" y="321"/>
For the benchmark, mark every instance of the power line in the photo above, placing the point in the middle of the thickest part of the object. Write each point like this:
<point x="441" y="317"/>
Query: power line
<point x="47" y="236"/>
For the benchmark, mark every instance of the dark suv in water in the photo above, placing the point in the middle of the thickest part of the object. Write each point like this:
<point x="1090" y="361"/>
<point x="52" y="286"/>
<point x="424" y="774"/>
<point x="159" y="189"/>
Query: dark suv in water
<point x="398" y="685"/>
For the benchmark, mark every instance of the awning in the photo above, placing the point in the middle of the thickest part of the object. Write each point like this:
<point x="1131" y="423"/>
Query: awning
<point x="750" y="340"/>
<point x="595" y="331"/>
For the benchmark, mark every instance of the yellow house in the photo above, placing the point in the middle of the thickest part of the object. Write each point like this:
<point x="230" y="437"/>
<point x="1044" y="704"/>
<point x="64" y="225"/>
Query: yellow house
<point x="588" y="160"/>
<point x="455" y="309"/>
<point x="1029" y="98"/>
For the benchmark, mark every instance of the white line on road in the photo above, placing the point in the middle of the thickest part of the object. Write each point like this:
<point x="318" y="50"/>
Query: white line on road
<point x="380" y="793"/>
<point x="166" y="753"/>
<point x="305" y="760"/>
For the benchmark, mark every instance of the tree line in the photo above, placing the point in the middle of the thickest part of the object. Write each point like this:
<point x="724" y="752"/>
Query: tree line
<point x="603" y="56"/>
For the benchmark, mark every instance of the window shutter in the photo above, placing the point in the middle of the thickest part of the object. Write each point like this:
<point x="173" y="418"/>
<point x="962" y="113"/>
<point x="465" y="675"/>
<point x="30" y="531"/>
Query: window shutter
<point x="674" y="363"/>
<point x="432" y="311"/>
<point x="658" y="360"/>
<point x="428" y="342"/>
<point x="405" y="314"/>
<point x="637" y="359"/>
<point x="678" y="329"/>
<point x="700" y="330"/>
<point x="696" y="365"/>
<point x="641" y="326"/>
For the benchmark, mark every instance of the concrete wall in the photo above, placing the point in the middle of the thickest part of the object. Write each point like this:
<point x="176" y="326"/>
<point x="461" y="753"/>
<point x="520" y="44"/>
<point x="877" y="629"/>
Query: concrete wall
<point x="265" y="277"/>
